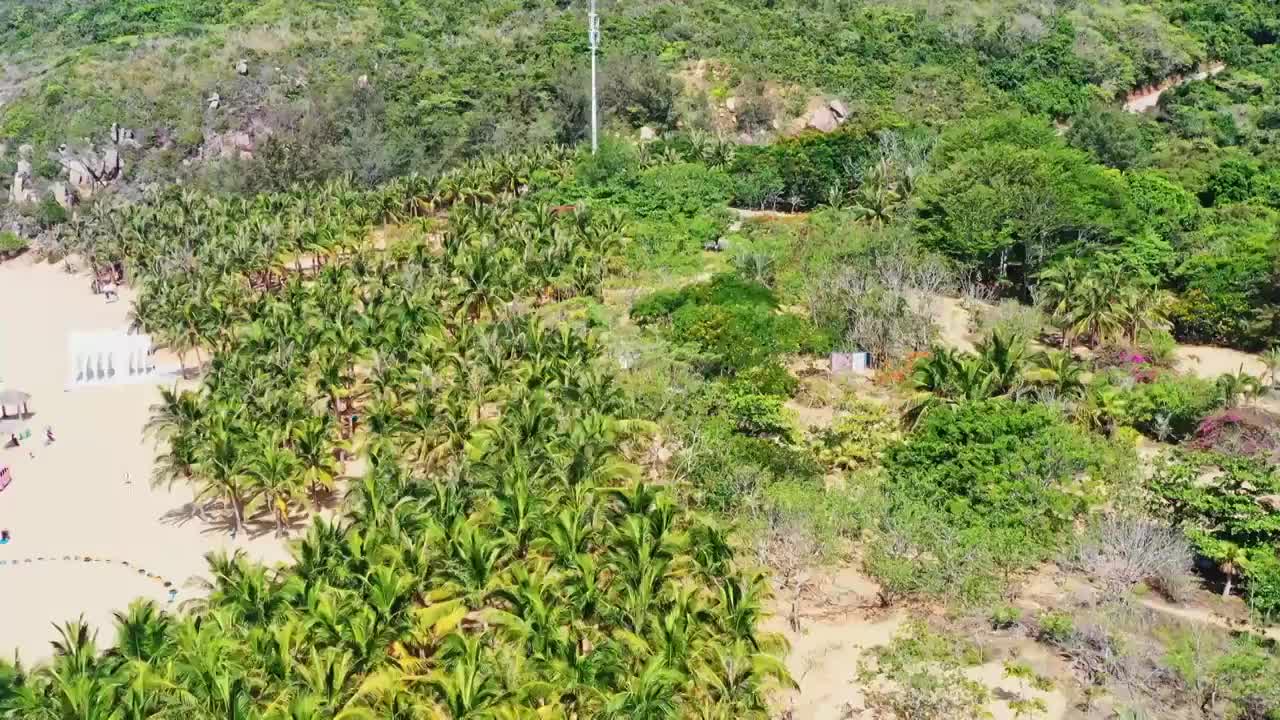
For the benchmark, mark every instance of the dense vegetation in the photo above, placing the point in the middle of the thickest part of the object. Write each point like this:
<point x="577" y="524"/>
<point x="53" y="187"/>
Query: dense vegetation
<point x="574" y="403"/>
<point x="503" y="556"/>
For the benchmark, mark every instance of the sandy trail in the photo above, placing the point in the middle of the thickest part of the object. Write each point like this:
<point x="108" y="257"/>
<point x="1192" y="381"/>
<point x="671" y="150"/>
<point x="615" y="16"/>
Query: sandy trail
<point x="71" y="498"/>
<point x="1211" y="362"/>
<point x="840" y="628"/>
<point x="1145" y="99"/>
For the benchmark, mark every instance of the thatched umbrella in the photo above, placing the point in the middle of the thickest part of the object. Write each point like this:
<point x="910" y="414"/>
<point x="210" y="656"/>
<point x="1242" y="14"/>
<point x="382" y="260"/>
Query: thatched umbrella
<point x="15" y="399"/>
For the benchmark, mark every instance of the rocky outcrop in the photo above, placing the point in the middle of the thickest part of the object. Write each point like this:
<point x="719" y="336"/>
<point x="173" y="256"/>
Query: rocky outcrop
<point x="21" y="191"/>
<point x="90" y="169"/>
<point x="232" y="144"/>
<point x="825" y="115"/>
<point x="123" y="136"/>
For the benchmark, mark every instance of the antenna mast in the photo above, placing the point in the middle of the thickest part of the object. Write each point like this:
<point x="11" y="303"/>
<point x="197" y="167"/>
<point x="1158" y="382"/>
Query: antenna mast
<point x="593" y="38"/>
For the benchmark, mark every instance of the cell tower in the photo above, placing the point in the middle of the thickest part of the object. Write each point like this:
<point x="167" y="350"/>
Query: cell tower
<point x="593" y="38"/>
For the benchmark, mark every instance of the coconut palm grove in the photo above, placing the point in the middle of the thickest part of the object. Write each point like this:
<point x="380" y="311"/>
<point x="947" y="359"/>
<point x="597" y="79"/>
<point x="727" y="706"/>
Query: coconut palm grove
<point x="504" y="554"/>
<point x="894" y="360"/>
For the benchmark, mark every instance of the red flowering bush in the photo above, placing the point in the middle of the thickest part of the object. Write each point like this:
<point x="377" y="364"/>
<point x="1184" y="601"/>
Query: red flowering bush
<point x="1242" y="432"/>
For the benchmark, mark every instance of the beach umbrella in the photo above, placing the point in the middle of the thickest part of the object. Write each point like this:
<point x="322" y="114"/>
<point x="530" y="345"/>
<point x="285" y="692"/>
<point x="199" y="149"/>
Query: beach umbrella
<point x="10" y="398"/>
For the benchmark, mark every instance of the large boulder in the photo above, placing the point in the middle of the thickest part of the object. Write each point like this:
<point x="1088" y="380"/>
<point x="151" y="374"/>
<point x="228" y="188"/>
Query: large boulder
<point x="111" y="166"/>
<point x="825" y="115"/>
<point x="21" y="192"/>
<point x="822" y="119"/>
<point x="63" y="195"/>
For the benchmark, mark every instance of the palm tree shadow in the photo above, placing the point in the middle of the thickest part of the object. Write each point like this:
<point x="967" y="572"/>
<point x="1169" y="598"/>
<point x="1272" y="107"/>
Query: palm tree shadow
<point x="262" y="524"/>
<point x="185" y="513"/>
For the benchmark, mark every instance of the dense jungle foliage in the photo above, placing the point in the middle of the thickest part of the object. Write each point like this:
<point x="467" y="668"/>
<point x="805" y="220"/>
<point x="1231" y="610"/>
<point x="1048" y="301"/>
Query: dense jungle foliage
<point x="577" y="406"/>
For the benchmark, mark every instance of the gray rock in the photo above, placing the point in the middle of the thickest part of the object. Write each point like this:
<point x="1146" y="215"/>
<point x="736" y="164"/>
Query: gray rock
<point x="25" y="150"/>
<point x="80" y="176"/>
<point x="63" y="195"/>
<point x="648" y="134"/>
<point x="822" y="119"/>
<point x="111" y="166"/>
<point x="839" y="108"/>
<point x="242" y="68"/>
<point x="20" y="193"/>
<point x="215" y="101"/>
<point x="362" y="82"/>
<point x="24" y="168"/>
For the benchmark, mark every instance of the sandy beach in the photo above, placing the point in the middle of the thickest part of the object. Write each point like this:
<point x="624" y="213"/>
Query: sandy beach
<point x="88" y="494"/>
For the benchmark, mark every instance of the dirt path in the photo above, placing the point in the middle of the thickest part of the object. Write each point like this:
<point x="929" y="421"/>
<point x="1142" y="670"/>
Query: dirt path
<point x="1206" y="616"/>
<point x="1146" y="98"/>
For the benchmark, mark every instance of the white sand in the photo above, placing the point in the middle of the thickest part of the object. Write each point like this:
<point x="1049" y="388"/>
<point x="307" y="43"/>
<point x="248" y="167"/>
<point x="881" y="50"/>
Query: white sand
<point x="72" y="499"/>
<point x="1211" y="362"/>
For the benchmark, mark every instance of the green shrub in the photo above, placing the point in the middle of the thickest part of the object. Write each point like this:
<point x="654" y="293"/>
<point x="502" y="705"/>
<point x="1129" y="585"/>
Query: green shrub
<point x="920" y="675"/>
<point x="1003" y="465"/>
<point x="49" y="213"/>
<point x="729" y="471"/>
<point x="919" y="549"/>
<point x="769" y="378"/>
<point x="807" y="165"/>
<point x="732" y="321"/>
<point x="1262" y="582"/>
<point x="831" y="516"/>
<point x="1159" y="347"/>
<point x="1227" y="519"/>
<point x="759" y="188"/>
<point x="1004" y="617"/>
<point x="681" y="190"/>
<point x="657" y="306"/>
<point x="1055" y="627"/>
<point x="1230" y="286"/>
<point x="1171" y="405"/>
<point x="760" y="415"/>
<point x="859" y="437"/>
<point x="12" y="244"/>
<point x="1113" y="136"/>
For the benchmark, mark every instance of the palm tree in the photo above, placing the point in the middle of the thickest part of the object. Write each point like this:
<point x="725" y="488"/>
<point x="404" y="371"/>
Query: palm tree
<point x="1271" y="360"/>
<point x="1095" y="313"/>
<point x="499" y="558"/>
<point x="275" y="475"/>
<point x="1057" y="288"/>
<point x="1143" y="308"/>
<point x="1237" y="386"/>
<point x="1059" y="372"/>
<point x="315" y="445"/>
<point x="1230" y="558"/>
<point x="222" y="471"/>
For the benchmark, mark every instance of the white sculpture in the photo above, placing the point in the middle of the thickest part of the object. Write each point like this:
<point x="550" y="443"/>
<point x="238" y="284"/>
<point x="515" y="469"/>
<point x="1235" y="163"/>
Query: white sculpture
<point x="109" y="358"/>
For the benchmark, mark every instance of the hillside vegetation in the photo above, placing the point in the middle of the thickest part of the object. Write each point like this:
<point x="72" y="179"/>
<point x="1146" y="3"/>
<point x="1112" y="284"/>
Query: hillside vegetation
<point x="450" y="80"/>
<point x="581" y="408"/>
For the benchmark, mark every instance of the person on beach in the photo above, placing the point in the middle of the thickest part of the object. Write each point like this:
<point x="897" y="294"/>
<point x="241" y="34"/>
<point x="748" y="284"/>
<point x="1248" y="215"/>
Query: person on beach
<point x="4" y="537"/>
<point x="48" y="434"/>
